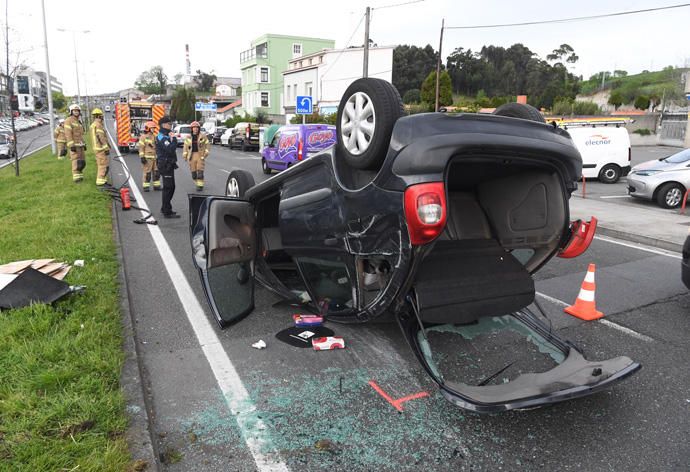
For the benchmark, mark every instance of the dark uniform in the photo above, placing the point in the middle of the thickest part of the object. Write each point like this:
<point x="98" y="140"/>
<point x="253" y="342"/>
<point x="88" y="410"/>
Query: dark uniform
<point x="166" y="159"/>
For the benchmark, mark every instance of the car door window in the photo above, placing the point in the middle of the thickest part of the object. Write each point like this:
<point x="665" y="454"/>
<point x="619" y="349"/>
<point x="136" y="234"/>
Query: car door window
<point x="330" y="282"/>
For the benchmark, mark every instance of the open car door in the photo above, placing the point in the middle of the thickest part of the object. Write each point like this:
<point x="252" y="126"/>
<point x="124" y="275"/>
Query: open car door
<point x="223" y="237"/>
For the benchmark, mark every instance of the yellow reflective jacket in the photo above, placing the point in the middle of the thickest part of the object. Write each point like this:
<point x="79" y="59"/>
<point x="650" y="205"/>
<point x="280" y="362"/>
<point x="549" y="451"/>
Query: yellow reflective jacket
<point x="203" y="147"/>
<point x="99" y="139"/>
<point x="147" y="146"/>
<point x="74" y="131"/>
<point x="60" y="134"/>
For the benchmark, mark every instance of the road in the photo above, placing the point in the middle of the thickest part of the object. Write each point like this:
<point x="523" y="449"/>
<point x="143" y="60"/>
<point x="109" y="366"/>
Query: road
<point x="216" y="404"/>
<point x="29" y="141"/>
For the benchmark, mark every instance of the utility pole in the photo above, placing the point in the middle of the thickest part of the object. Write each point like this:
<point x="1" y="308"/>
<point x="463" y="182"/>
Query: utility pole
<point x="10" y="89"/>
<point x="76" y="66"/>
<point x="49" y="80"/>
<point x="365" y="72"/>
<point x="438" y="65"/>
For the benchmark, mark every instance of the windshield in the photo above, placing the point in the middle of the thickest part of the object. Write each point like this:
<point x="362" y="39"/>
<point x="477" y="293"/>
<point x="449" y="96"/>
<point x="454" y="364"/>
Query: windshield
<point x="185" y="130"/>
<point x="682" y="156"/>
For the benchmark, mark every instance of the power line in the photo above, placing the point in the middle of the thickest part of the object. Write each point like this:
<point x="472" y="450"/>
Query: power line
<point x="346" y="46"/>
<point x="569" y="20"/>
<point x="397" y="5"/>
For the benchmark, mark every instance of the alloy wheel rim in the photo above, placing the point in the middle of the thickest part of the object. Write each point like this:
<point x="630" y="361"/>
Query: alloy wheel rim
<point x="610" y="174"/>
<point x="358" y="123"/>
<point x="673" y="197"/>
<point x="233" y="189"/>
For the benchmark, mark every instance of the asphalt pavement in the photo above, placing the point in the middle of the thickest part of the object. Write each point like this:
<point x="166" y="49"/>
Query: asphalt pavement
<point x="215" y="404"/>
<point x="28" y="141"/>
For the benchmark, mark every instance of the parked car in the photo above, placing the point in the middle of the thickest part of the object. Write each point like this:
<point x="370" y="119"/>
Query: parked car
<point x="226" y="136"/>
<point x="664" y="181"/>
<point x="210" y="127"/>
<point x="294" y="143"/>
<point x="215" y="137"/>
<point x="437" y="221"/>
<point x="8" y="149"/>
<point x="685" y="264"/>
<point x="245" y="136"/>
<point x="605" y="151"/>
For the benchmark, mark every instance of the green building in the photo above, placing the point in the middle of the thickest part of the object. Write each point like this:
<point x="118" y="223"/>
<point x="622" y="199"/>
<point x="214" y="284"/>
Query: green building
<point x="262" y="70"/>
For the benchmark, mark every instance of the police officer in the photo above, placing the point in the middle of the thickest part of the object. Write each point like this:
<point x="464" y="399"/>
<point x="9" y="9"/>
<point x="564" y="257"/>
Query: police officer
<point x="195" y="150"/>
<point x="147" y="154"/>
<point x="74" y="134"/>
<point x="59" y="134"/>
<point x="101" y="147"/>
<point x="166" y="159"/>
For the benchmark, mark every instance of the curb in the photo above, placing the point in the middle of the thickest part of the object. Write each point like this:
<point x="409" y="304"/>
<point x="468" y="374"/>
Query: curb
<point x="638" y="238"/>
<point x="139" y="430"/>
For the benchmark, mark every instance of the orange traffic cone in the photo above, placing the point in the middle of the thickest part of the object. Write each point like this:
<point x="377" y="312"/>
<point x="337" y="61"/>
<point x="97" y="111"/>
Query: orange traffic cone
<point x="585" y="308"/>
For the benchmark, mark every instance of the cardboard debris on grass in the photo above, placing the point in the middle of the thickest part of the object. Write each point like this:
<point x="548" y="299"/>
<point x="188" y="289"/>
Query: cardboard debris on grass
<point x="32" y="281"/>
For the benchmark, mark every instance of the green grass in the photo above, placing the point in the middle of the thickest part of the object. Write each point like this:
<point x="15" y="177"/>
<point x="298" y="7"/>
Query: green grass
<point x="61" y="407"/>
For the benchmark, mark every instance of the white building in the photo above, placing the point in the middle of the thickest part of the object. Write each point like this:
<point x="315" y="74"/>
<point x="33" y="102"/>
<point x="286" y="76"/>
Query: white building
<point x="228" y="86"/>
<point x="325" y="76"/>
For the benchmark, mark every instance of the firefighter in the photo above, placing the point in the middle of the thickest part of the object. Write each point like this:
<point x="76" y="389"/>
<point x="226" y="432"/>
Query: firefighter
<point x="59" y="134"/>
<point x="74" y="134"/>
<point x="147" y="153"/>
<point x="195" y="150"/>
<point x="166" y="160"/>
<point x="100" y="147"/>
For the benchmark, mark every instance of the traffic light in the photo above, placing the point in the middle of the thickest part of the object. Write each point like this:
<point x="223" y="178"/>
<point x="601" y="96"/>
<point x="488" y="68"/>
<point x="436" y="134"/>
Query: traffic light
<point x="14" y="103"/>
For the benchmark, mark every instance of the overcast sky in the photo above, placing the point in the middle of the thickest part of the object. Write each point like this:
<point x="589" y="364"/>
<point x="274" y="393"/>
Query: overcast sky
<point x="127" y="37"/>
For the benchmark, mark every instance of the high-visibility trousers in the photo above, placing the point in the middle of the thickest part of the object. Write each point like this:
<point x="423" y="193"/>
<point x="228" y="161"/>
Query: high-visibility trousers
<point x="78" y="163"/>
<point x="150" y="174"/>
<point x="61" y="149"/>
<point x="197" y="165"/>
<point x="103" y="164"/>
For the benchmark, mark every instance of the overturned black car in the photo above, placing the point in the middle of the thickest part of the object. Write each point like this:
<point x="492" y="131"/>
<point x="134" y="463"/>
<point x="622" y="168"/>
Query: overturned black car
<point x="438" y="221"/>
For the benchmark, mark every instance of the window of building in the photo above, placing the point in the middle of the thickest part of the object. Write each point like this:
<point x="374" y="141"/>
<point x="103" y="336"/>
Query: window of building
<point x="262" y="50"/>
<point x="311" y="61"/>
<point x="296" y="49"/>
<point x="264" y="99"/>
<point x="308" y="88"/>
<point x="287" y="94"/>
<point x="264" y="79"/>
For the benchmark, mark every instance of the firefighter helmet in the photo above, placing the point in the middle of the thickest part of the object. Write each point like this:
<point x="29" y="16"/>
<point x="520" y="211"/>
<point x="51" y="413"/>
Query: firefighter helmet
<point x="97" y="112"/>
<point x="73" y="107"/>
<point x="149" y="125"/>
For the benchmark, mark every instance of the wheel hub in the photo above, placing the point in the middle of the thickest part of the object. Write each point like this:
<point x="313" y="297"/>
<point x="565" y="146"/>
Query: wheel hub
<point x="358" y="123"/>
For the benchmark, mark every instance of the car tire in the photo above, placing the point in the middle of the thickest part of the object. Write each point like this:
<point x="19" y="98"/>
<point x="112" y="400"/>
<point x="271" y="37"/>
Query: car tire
<point x="609" y="174"/>
<point x="239" y="181"/>
<point x="264" y="167"/>
<point x="352" y="145"/>
<point x="520" y="110"/>
<point x="670" y="195"/>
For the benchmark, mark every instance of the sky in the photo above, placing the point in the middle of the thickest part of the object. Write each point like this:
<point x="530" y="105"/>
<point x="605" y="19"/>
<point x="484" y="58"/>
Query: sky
<point x="128" y="37"/>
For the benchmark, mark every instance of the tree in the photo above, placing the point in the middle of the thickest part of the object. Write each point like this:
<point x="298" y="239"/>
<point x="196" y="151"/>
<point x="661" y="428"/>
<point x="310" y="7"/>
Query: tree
<point x="153" y="80"/>
<point x="411" y="64"/>
<point x="620" y="73"/>
<point x="616" y="99"/>
<point x="642" y="102"/>
<point x="563" y="52"/>
<point x="428" y="91"/>
<point x="411" y="96"/>
<point x="204" y="82"/>
<point x="59" y="101"/>
<point x="182" y="107"/>
<point x="178" y="78"/>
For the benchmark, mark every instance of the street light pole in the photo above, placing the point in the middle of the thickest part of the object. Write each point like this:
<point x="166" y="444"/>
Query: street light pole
<point x="53" y="146"/>
<point x="438" y="65"/>
<point x="76" y="62"/>
<point x="10" y="89"/>
<point x="365" y="72"/>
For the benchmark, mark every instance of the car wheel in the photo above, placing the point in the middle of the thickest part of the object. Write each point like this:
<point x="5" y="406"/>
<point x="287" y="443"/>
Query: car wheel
<point x="366" y="116"/>
<point x="239" y="181"/>
<point x="610" y="174"/>
<point x="670" y="195"/>
<point x="520" y="110"/>
<point x="264" y="166"/>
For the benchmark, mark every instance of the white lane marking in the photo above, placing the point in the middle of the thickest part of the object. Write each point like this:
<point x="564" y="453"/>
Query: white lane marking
<point x="625" y="330"/>
<point x="605" y="322"/>
<point x="640" y="247"/>
<point x="615" y="196"/>
<point x="253" y="429"/>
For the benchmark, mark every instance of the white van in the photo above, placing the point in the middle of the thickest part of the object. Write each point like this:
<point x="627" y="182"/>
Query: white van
<point x="210" y="127"/>
<point x="605" y="150"/>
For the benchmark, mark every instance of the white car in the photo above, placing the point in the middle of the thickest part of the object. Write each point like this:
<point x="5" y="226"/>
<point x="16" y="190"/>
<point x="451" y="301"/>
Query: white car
<point x="225" y="137"/>
<point x="662" y="180"/>
<point x="605" y="151"/>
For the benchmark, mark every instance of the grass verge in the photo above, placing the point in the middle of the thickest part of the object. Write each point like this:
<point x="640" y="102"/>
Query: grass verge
<point x="61" y="407"/>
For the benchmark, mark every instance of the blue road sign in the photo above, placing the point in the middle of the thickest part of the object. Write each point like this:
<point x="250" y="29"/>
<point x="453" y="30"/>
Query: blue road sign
<point x="303" y="105"/>
<point x="201" y="106"/>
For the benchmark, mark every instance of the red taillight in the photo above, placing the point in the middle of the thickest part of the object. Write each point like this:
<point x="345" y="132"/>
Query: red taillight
<point x="425" y="211"/>
<point x="299" y="150"/>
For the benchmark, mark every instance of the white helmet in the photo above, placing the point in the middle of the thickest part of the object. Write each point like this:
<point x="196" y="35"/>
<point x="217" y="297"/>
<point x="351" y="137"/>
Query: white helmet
<point x="73" y="107"/>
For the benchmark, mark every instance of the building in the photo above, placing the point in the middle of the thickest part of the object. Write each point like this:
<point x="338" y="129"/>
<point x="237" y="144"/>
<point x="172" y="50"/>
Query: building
<point x="262" y="70"/>
<point x="228" y="86"/>
<point x="229" y="111"/>
<point x="326" y="74"/>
